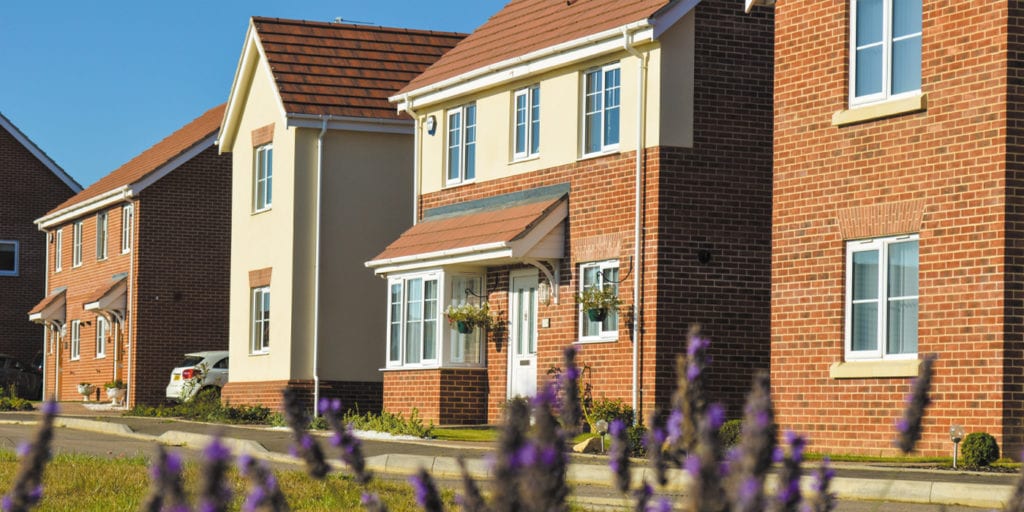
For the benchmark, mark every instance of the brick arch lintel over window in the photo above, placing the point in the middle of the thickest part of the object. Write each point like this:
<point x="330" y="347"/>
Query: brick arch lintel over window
<point x="886" y="219"/>
<point x="260" y="277"/>
<point x="263" y="135"/>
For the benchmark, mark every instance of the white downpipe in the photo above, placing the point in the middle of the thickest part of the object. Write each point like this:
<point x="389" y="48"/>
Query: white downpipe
<point x="56" y="373"/>
<point x="641" y="107"/>
<point x="416" y="138"/>
<point x="129" y="307"/>
<point x="48" y="331"/>
<point x="316" y="265"/>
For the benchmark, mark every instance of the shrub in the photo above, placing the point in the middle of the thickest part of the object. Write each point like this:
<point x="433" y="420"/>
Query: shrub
<point x="729" y="433"/>
<point x="389" y="423"/>
<point x="637" y="435"/>
<point x="608" y="410"/>
<point x="14" y="403"/>
<point x="206" y="406"/>
<point x="979" y="449"/>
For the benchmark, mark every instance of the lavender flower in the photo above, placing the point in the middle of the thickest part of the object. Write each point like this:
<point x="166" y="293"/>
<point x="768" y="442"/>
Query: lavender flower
<point x="216" y="493"/>
<point x="345" y="440"/>
<point x="167" y="492"/>
<point x="507" y="468"/>
<point x="543" y="478"/>
<point x="656" y="437"/>
<point x="28" y="484"/>
<point x="472" y="500"/>
<point x="371" y="502"/>
<point x="823" y="500"/>
<point x="642" y="497"/>
<point x="707" y="493"/>
<point x="689" y="401"/>
<point x="264" y="493"/>
<point x="788" y="496"/>
<point x="425" y="491"/>
<point x="756" y="448"/>
<point x="618" y="459"/>
<point x="305" y="446"/>
<point x="571" y="411"/>
<point x="909" y="426"/>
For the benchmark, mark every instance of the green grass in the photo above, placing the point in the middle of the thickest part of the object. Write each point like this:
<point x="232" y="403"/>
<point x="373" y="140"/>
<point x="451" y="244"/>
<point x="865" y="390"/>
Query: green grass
<point x="475" y="435"/>
<point x="86" y="483"/>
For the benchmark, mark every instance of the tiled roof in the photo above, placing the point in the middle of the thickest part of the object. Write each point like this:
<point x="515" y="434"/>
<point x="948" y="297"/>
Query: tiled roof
<point x="500" y="225"/>
<point x="104" y="288"/>
<point x="153" y="158"/>
<point x="49" y="299"/>
<point x="525" y="26"/>
<point x="346" y="70"/>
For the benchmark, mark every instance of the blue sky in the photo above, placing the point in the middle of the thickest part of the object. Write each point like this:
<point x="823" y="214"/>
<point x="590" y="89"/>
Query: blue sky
<point x="95" y="83"/>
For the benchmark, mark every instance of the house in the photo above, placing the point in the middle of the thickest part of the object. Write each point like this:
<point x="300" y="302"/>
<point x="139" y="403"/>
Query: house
<point x="33" y="183"/>
<point x="566" y="146"/>
<point x="137" y="268"/>
<point x="897" y="227"/>
<point x="322" y="169"/>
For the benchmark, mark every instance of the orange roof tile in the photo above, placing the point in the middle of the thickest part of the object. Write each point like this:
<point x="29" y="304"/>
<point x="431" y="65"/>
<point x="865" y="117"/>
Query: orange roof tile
<point x="501" y="225"/>
<point x="525" y="26"/>
<point x="346" y="70"/>
<point x="43" y="304"/>
<point x="153" y="158"/>
<point x="104" y="288"/>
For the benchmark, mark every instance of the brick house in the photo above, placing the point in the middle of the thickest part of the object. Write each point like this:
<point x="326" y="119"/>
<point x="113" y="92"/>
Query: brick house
<point x="33" y="184"/>
<point x="137" y="268"/>
<point x="897" y="220"/>
<point x="308" y="119"/>
<point x="530" y="187"/>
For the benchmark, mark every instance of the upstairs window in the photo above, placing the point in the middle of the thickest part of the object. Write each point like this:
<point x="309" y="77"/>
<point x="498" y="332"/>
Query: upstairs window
<point x="8" y="257"/>
<point x="127" y="218"/>
<point x="101" y="236"/>
<point x="601" y="92"/>
<point x="263" y="178"/>
<point x="881" y="298"/>
<point x="76" y="243"/>
<point x="461" y="144"/>
<point x="527" y="122"/>
<point x="58" y="250"/>
<point x="885" y="50"/>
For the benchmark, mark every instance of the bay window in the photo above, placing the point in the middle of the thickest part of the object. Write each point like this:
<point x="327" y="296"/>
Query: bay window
<point x="418" y="331"/>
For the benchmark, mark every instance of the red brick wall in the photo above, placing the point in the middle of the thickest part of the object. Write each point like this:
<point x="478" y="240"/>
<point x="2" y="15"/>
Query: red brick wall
<point x="444" y="396"/>
<point x="183" y="258"/>
<point x="361" y="396"/>
<point x="29" y="191"/>
<point x="954" y="159"/>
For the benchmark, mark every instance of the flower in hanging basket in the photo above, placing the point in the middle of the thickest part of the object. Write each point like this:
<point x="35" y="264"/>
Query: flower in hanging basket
<point x="598" y="301"/>
<point x="467" y="317"/>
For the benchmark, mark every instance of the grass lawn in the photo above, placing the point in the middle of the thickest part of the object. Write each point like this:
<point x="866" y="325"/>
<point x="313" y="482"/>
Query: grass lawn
<point x="86" y="483"/>
<point x="476" y="435"/>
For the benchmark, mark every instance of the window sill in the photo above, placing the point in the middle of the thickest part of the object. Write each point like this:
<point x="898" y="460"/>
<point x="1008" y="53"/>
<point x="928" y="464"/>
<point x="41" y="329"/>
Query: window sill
<point x="452" y="366"/>
<point x="459" y="183"/>
<point x="606" y="152"/>
<point x="101" y="356"/>
<point x="881" y="110"/>
<point x="525" y="159"/>
<point x="267" y="353"/>
<point x="257" y="212"/>
<point x="587" y="341"/>
<point x="894" y="368"/>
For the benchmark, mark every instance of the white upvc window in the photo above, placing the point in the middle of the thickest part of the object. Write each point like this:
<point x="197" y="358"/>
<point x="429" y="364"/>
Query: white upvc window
<point x="599" y="274"/>
<point x="461" y="164"/>
<point x="885" y="50"/>
<point x="8" y="257"/>
<point x="76" y="245"/>
<point x="101" y="236"/>
<point x="127" y="218"/>
<point x="263" y="178"/>
<point x="58" y="250"/>
<point x="414" y="320"/>
<point x="102" y="329"/>
<point x="526" y="132"/>
<point x="881" y="298"/>
<point x="601" y="98"/>
<point x="465" y="348"/>
<point x="260" y="325"/>
<point x="76" y="339"/>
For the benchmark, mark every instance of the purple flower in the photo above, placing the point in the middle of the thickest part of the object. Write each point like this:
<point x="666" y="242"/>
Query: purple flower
<point x="675" y="426"/>
<point x="716" y="416"/>
<point x="425" y="491"/>
<point x="910" y="425"/>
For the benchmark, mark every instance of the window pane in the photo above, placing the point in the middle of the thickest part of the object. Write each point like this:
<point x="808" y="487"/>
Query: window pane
<point x="520" y="132"/>
<point x="535" y="120"/>
<point x="903" y="269"/>
<point x="902" y="329"/>
<point x="454" y="145"/>
<point x="394" y="345"/>
<point x="530" y="327"/>
<point x="7" y="257"/>
<point x="869" y="71"/>
<point x="430" y="320"/>
<point x="611" y="126"/>
<point x="865" y="326"/>
<point x="592" y="139"/>
<point x="865" y="275"/>
<point x="869" y="22"/>
<point x="611" y="322"/>
<point x="906" y="17"/>
<point x="906" y="65"/>
<point x="414" y="321"/>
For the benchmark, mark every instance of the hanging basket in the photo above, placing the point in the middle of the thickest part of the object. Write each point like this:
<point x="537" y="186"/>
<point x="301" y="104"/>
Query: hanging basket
<point x="464" y="327"/>
<point x="598" y="314"/>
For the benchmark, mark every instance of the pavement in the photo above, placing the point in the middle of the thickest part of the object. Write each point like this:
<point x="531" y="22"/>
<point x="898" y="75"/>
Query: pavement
<point x="388" y="457"/>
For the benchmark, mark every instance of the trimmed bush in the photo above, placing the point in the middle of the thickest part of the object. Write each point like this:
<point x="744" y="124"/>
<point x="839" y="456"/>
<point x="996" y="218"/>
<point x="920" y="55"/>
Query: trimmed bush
<point x="608" y="410"/>
<point x="729" y="433"/>
<point x="637" y="435"/>
<point x="979" y="449"/>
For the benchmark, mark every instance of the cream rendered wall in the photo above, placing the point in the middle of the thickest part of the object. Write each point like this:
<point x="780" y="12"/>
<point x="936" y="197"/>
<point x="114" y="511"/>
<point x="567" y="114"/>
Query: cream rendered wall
<point x="260" y="240"/>
<point x="669" y="85"/>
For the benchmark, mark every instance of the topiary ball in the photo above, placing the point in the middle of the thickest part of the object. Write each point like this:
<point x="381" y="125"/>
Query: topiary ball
<point x="729" y="433"/>
<point x="979" y="449"/>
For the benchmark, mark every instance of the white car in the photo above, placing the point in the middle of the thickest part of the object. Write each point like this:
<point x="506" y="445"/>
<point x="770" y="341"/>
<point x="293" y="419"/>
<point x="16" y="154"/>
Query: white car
<point x="198" y="371"/>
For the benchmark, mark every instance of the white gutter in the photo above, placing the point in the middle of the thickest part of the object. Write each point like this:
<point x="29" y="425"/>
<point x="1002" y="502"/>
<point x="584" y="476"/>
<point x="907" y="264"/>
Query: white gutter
<point x="92" y="204"/>
<point x="316" y="264"/>
<point x="356" y="124"/>
<point x="493" y="246"/>
<point x="641" y="107"/>
<point x="416" y="153"/>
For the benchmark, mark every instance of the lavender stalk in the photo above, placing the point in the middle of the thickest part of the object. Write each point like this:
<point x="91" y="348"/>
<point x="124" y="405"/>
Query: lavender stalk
<point x="28" y="484"/>
<point x="472" y="500"/>
<point x="571" y="412"/>
<point x="305" y="446"/>
<point x="823" y="500"/>
<point x="345" y="440"/>
<point x="544" y="460"/>
<point x="371" y="502"/>
<point x="788" y="496"/>
<point x="215" y="494"/>
<point x="167" y="491"/>
<point x="618" y="458"/>
<point x="909" y="426"/>
<point x="689" y="402"/>
<point x="425" y="491"/>
<point x="756" y="449"/>
<point x="656" y="437"/>
<point x="707" y="493"/>
<point x="507" y="464"/>
<point x="264" y="495"/>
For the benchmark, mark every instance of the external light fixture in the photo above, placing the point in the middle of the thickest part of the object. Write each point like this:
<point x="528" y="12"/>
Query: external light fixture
<point x="431" y="124"/>
<point x="956" y="434"/>
<point x="601" y="426"/>
<point x="544" y="293"/>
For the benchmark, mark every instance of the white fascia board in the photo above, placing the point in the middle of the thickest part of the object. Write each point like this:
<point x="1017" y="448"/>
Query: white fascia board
<point x="36" y="318"/>
<point x="664" y="20"/>
<point x="554" y="218"/>
<point x="448" y="256"/>
<point x="88" y="206"/>
<point x="243" y="80"/>
<point x="171" y="165"/>
<point x="39" y="154"/>
<point x="533" y="63"/>
<point x="355" y="124"/>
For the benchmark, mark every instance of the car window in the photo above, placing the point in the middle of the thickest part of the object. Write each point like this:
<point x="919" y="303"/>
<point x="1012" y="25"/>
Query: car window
<point x="190" y="361"/>
<point x="222" y="364"/>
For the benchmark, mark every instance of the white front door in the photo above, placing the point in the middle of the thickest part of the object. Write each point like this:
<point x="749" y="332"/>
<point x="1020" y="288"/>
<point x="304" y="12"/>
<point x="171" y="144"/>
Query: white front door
<point x="523" y="333"/>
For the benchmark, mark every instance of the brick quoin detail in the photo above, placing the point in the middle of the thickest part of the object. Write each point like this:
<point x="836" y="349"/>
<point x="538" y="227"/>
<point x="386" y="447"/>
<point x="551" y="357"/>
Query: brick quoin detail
<point x="957" y="170"/>
<point x="361" y="396"/>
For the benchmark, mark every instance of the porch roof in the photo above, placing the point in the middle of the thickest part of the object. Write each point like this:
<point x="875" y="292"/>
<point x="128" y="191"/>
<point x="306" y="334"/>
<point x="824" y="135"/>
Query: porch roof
<point x="52" y="309"/>
<point x="109" y="296"/>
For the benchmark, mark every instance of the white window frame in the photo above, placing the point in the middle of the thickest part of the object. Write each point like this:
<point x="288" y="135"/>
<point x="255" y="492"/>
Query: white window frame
<point x="881" y="245"/>
<point x="527" y="116"/>
<point x="76" y="244"/>
<point x="457" y="132"/>
<point x="604" y="146"/>
<point x="402" y="359"/>
<point x="263" y="172"/>
<point x="17" y="255"/>
<point x="102" y="220"/>
<point x="581" y="315"/>
<point x="102" y="328"/>
<point x="887" y="49"/>
<point x="127" y="219"/>
<point x="58" y="250"/>
<point x="259" y="325"/>
<point x="456" y="285"/>
<point x="76" y="340"/>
